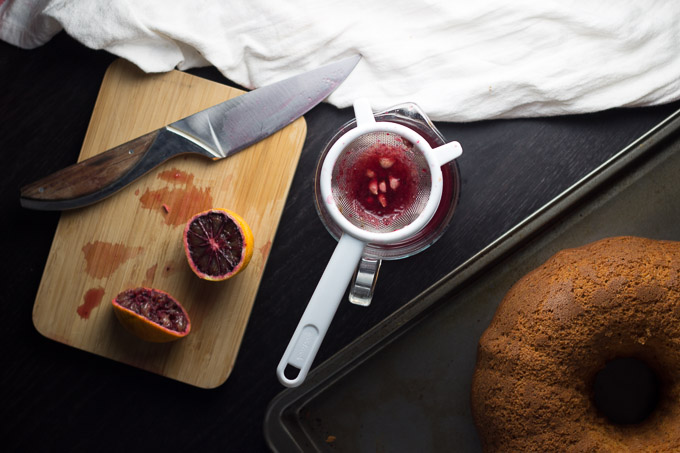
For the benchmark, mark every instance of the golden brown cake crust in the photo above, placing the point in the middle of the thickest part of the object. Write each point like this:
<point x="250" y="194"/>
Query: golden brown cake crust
<point x="558" y="326"/>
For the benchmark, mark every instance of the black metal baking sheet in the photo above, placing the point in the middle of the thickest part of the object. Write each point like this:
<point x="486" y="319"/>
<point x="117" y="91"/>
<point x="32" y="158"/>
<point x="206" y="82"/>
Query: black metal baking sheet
<point x="404" y="386"/>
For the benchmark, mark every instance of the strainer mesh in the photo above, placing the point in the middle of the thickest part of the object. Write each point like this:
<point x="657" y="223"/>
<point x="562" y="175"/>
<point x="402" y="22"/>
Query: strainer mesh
<point x="381" y="182"/>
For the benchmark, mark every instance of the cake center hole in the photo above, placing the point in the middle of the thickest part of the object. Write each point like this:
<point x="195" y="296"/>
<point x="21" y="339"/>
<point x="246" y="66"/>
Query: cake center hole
<point x="626" y="391"/>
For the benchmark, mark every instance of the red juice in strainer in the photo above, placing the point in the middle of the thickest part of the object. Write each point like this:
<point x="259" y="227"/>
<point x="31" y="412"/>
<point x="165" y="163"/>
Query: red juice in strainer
<point x="381" y="182"/>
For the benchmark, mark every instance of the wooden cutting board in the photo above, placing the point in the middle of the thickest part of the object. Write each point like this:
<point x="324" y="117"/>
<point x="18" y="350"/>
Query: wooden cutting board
<point x="134" y="238"/>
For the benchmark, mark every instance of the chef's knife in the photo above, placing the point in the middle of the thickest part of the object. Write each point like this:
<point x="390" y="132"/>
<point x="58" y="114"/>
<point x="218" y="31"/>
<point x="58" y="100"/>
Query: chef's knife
<point x="217" y="132"/>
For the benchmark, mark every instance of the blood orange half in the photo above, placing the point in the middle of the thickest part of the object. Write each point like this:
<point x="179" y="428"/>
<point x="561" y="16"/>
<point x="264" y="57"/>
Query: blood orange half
<point x="218" y="244"/>
<point x="152" y="315"/>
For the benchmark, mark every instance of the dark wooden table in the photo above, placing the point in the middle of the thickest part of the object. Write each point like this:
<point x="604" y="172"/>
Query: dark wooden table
<point x="57" y="398"/>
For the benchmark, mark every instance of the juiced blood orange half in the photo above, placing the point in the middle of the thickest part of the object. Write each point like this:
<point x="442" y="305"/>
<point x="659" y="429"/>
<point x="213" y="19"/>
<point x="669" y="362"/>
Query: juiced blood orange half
<point x="152" y="315"/>
<point x="218" y="244"/>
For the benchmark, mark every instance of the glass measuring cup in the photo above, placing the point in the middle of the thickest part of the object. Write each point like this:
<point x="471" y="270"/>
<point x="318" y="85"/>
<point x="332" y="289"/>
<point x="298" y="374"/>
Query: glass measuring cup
<point x="365" y="277"/>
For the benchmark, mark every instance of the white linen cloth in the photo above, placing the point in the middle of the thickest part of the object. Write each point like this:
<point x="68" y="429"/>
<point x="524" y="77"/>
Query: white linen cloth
<point x="460" y="60"/>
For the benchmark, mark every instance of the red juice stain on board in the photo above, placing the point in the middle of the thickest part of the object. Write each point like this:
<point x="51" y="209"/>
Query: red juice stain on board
<point x="103" y="258"/>
<point x="177" y="204"/>
<point x="91" y="300"/>
<point x="264" y="251"/>
<point x="176" y="176"/>
<point x="149" y="275"/>
<point x="382" y="181"/>
<point x="169" y="268"/>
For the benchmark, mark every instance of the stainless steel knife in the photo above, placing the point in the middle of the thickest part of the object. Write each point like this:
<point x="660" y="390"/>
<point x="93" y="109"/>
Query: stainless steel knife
<point x="216" y="132"/>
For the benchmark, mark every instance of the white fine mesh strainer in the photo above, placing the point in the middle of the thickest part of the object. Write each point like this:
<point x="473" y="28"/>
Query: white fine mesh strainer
<point x="381" y="183"/>
<point x="363" y="208"/>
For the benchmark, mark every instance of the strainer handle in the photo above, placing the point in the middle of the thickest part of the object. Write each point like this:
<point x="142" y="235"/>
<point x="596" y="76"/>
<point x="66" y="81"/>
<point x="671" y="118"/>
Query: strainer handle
<point x="363" y="113"/>
<point x="320" y="310"/>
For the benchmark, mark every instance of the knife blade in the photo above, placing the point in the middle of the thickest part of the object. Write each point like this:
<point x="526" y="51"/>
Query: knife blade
<point x="216" y="132"/>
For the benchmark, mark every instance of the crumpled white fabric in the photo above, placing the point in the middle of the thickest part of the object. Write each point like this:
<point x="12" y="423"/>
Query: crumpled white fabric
<point x="459" y="60"/>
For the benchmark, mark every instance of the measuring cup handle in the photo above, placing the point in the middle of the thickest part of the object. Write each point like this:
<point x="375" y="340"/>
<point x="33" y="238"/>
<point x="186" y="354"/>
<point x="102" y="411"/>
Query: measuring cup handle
<point x="320" y="310"/>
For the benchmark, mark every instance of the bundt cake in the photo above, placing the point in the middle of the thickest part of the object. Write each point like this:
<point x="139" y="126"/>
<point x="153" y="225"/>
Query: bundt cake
<point x="558" y="327"/>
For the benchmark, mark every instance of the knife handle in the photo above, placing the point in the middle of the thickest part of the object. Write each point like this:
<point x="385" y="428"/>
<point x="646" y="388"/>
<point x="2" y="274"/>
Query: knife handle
<point x="95" y="178"/>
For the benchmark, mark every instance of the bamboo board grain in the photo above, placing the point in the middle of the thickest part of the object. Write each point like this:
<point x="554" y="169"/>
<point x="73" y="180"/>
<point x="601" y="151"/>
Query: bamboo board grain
<point x="134" y="238"/>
